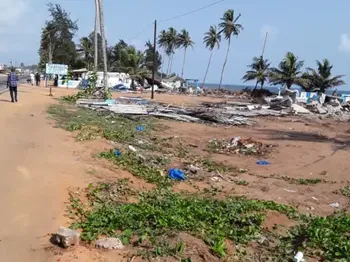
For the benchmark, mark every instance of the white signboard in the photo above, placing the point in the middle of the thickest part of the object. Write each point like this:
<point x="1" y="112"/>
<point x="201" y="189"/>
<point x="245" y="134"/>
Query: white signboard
<point x="56" y="69"/>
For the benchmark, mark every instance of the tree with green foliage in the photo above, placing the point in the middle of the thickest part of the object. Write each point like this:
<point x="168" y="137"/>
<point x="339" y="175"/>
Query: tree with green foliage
<point x="229" y="27"/>
<point x="86" y="49"/>
<point x="259" y="71"/>
<point x="172" y="45"/>
<point x="184" y="41"/>
<point x="320" y="79"/>
<point x="212" y="39"/>
<point x="288" y="72"/>
<point x="162" y="43"/>
<point x="149" y="57"/>
<point x="56" y="43"/>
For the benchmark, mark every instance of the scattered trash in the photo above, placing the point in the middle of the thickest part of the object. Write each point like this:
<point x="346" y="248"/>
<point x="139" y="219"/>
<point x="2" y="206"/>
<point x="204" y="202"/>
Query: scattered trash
<point x="132" y="148"/>
<point x="299" y="257"/>
<point x="243" y="170"/>
<point x="314" y="198"/>
<point x="214" y="178"/>
<point x="140" y="128"/>
<point x="117" y="152"/>
<point x="176" y="174"/>
<point x="334" y="205"/>
<point x="263" y="163"/>
<point x="109" y="243"/>
<point x="193" y="169"/>
<point x="66" y="237"/>
<point x="290" y="191"/>
<point x="238" y="145"/>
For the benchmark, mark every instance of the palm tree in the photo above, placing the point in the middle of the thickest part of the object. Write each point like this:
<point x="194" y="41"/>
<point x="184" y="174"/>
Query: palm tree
<point x="211" y="39"/>
<point x="288" y="72"/>
<point x="85" y="48"/>
<point x="260" y="71"/>
<point x="172" y="45"/>
<point x="229" y="27"/>
<point x="184" y="41"/>
<point x="321" y="78"/>
<point x="162" y="42"/>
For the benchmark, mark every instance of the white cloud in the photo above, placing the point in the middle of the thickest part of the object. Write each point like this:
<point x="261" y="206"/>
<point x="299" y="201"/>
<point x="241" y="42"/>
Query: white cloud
<point x="271" y="30"/>
<point x="11" y="13"/>
<point x="344" y="45"/>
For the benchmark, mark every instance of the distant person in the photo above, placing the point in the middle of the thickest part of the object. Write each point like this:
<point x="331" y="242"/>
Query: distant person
<point x="55" y="81"/>
<point x="32" y="78"/>
<point x="12" y="83"/>
<point x="37" y="79"/>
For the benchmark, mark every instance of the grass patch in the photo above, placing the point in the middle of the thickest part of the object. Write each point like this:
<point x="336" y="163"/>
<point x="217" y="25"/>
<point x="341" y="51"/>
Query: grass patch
<point x="162" y="211"/>
<point x="324" y="237"/>
<point x="296" y="181"/>
<point x="93" y="124"/>
<point x="138" y="167"/>
<point x="345" y="191"/>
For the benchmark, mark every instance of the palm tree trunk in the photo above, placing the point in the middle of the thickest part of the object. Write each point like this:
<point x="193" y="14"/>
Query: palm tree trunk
<point x="162" y="66"/>
<point x="256" y="85"/>
<point x="224" y="65"/>
<point x="183" y="64"/>
<point x="96" y="34"/>
<point x="206" y="72"/>
<point x="104" y="48"/>
<point x="171" y="62"/>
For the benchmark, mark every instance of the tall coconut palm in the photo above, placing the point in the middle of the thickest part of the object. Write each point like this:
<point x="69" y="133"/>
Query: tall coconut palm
<point x="184" y="41"/>
<point x="163" y="44"/>
<point x="288" y="72"/>
<point x="85" y="48"/>
<point x="211" y="39"/>
<point x="259" y="71"/>
<point x="97" y="15"/>
<point x="229" y="27"/>
<point x="104" y="47"/>
<point x="321" y="78"/>
<point x="172" y="45"/>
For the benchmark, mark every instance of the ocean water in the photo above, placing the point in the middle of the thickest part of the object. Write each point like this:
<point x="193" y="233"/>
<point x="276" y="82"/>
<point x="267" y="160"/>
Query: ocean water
<point x="272" y="89"/>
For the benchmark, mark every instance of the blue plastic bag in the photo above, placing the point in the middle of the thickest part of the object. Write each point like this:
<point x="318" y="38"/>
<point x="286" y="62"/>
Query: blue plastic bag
<point x="140" y="128"/>
<point x="176" y="174"/>
<point x="263" y="163"/>
<point x="117" y="152"/>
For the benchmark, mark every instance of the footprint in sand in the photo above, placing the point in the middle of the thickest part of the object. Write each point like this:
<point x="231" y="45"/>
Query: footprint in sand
<point x="24" y="172"/>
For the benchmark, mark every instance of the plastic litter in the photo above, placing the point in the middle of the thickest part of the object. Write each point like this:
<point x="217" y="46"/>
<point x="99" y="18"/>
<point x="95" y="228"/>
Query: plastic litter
<point x="140" y="128"/>
<point x="299" y="257"/>
<point x="263" y="163"/>
<point x="117" y="152"/>
<point x="235" y="140"/>
<point x="335" y="205"/>
<point x="176" y="174"/>
<point x="132" y="148"/>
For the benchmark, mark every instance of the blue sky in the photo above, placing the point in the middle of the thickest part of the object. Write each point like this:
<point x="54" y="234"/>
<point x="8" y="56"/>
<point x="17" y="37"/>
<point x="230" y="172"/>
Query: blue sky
<point x="311" y="29"/>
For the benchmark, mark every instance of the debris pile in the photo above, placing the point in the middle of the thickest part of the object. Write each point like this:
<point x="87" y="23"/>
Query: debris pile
<point x="239" y="146"/>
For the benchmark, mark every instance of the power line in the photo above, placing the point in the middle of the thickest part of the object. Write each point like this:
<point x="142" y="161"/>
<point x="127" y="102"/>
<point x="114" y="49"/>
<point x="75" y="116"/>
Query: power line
<point x="178" y="16"/>
<point x="191" y="12"/>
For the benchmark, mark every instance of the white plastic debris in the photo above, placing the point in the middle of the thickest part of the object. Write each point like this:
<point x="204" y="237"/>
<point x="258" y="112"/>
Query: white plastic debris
<point x="334" y="205"/>
<point x="299" y="257"/>
<point x="289" y="191"/>
<point x="235" y="140"/>
<point x="132" y="148"/>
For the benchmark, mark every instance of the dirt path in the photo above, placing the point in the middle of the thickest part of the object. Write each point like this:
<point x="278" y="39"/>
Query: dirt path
<point x="37" y="166"/>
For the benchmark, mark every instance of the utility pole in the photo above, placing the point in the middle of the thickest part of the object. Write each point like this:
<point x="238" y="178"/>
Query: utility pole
<point x="96" y="34"/>
<point x="154" y="57"/>
<point x="104" y="48"/>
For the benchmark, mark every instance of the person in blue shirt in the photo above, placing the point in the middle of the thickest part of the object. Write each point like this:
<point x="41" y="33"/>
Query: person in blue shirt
<point x="12" y="83"/>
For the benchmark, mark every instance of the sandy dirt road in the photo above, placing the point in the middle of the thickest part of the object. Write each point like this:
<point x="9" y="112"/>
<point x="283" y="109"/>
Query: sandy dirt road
<point x="37" y="166"/>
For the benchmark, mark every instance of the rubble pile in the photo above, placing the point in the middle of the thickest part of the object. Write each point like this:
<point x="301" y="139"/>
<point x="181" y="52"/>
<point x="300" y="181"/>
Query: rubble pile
<point x="239" y="146"/>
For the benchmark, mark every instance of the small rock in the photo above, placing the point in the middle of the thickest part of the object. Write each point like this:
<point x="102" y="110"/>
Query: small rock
<point x="109" y="243"/>
<point x="132" y="148"/>
<point x="66" y="237"/>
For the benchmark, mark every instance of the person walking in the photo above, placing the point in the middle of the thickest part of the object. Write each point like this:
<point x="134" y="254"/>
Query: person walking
<point x="37" y="79"/>
<point x="12" y="83"/>
<point x="32" y="78"/>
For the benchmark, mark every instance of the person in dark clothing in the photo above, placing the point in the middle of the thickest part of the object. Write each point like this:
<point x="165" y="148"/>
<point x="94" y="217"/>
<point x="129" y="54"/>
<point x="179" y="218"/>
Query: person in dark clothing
<point x="55" y="81"/>
<point x="37" y="79"/>
<point x="12" y="83"/>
